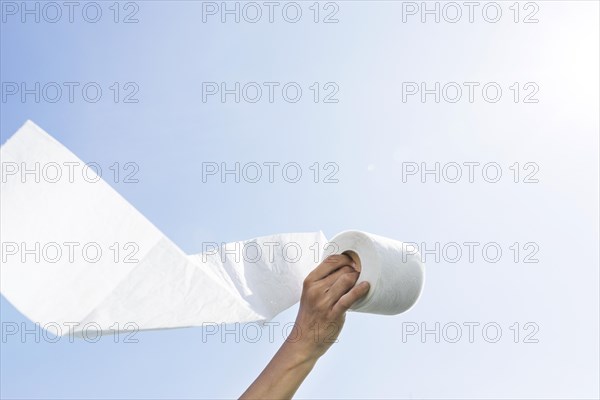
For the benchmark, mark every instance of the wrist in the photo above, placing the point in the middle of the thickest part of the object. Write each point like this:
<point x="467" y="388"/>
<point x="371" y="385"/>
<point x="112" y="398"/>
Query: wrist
<point x="300" y="353"/>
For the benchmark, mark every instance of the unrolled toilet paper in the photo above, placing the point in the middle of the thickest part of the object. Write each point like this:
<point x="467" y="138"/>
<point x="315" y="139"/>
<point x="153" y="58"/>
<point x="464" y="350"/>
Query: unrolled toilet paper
<point x="75" y="253"/>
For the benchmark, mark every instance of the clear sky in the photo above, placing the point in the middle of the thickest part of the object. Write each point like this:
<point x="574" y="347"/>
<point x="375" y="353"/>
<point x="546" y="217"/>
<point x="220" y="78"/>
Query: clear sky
<point x="370" y="136"/>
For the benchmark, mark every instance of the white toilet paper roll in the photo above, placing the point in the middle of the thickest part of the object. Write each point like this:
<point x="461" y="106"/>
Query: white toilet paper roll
<point x="393" y="269"/>
<point x="160" y="286"/>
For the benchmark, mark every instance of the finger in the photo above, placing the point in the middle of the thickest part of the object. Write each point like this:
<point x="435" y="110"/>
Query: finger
<point x="355" y="258"/>
<point x="346" y="301"/>
<point x="330" y="279"/>
<point x="342" y="285"/>
<point x="329" y="265"/>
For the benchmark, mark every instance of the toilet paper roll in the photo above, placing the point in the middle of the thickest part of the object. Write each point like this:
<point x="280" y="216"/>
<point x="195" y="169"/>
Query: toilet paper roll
<point x="159" y="286"/>
<point x="393" y="269"/>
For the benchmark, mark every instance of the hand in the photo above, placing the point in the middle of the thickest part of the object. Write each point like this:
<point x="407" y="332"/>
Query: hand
<point x="327" y="294"/>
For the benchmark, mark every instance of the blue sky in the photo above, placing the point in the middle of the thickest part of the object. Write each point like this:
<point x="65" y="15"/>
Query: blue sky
<point x="368" y="134"/>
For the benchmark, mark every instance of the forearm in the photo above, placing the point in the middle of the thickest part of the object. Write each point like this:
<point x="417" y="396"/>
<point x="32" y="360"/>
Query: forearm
<point x="327" y="293"/>
<point x="284" y="374"/>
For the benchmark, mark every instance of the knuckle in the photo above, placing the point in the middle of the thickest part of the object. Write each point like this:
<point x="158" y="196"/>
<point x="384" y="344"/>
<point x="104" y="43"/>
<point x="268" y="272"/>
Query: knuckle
<point x="348" y="278"/>
<point x="345" y="303"/>
<point x="306" y="283"/>
<point x="331" y="259"/>
<point x="347" y="269"/>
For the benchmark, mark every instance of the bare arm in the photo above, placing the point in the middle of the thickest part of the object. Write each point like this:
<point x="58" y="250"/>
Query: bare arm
<point x="327" y="294"/>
